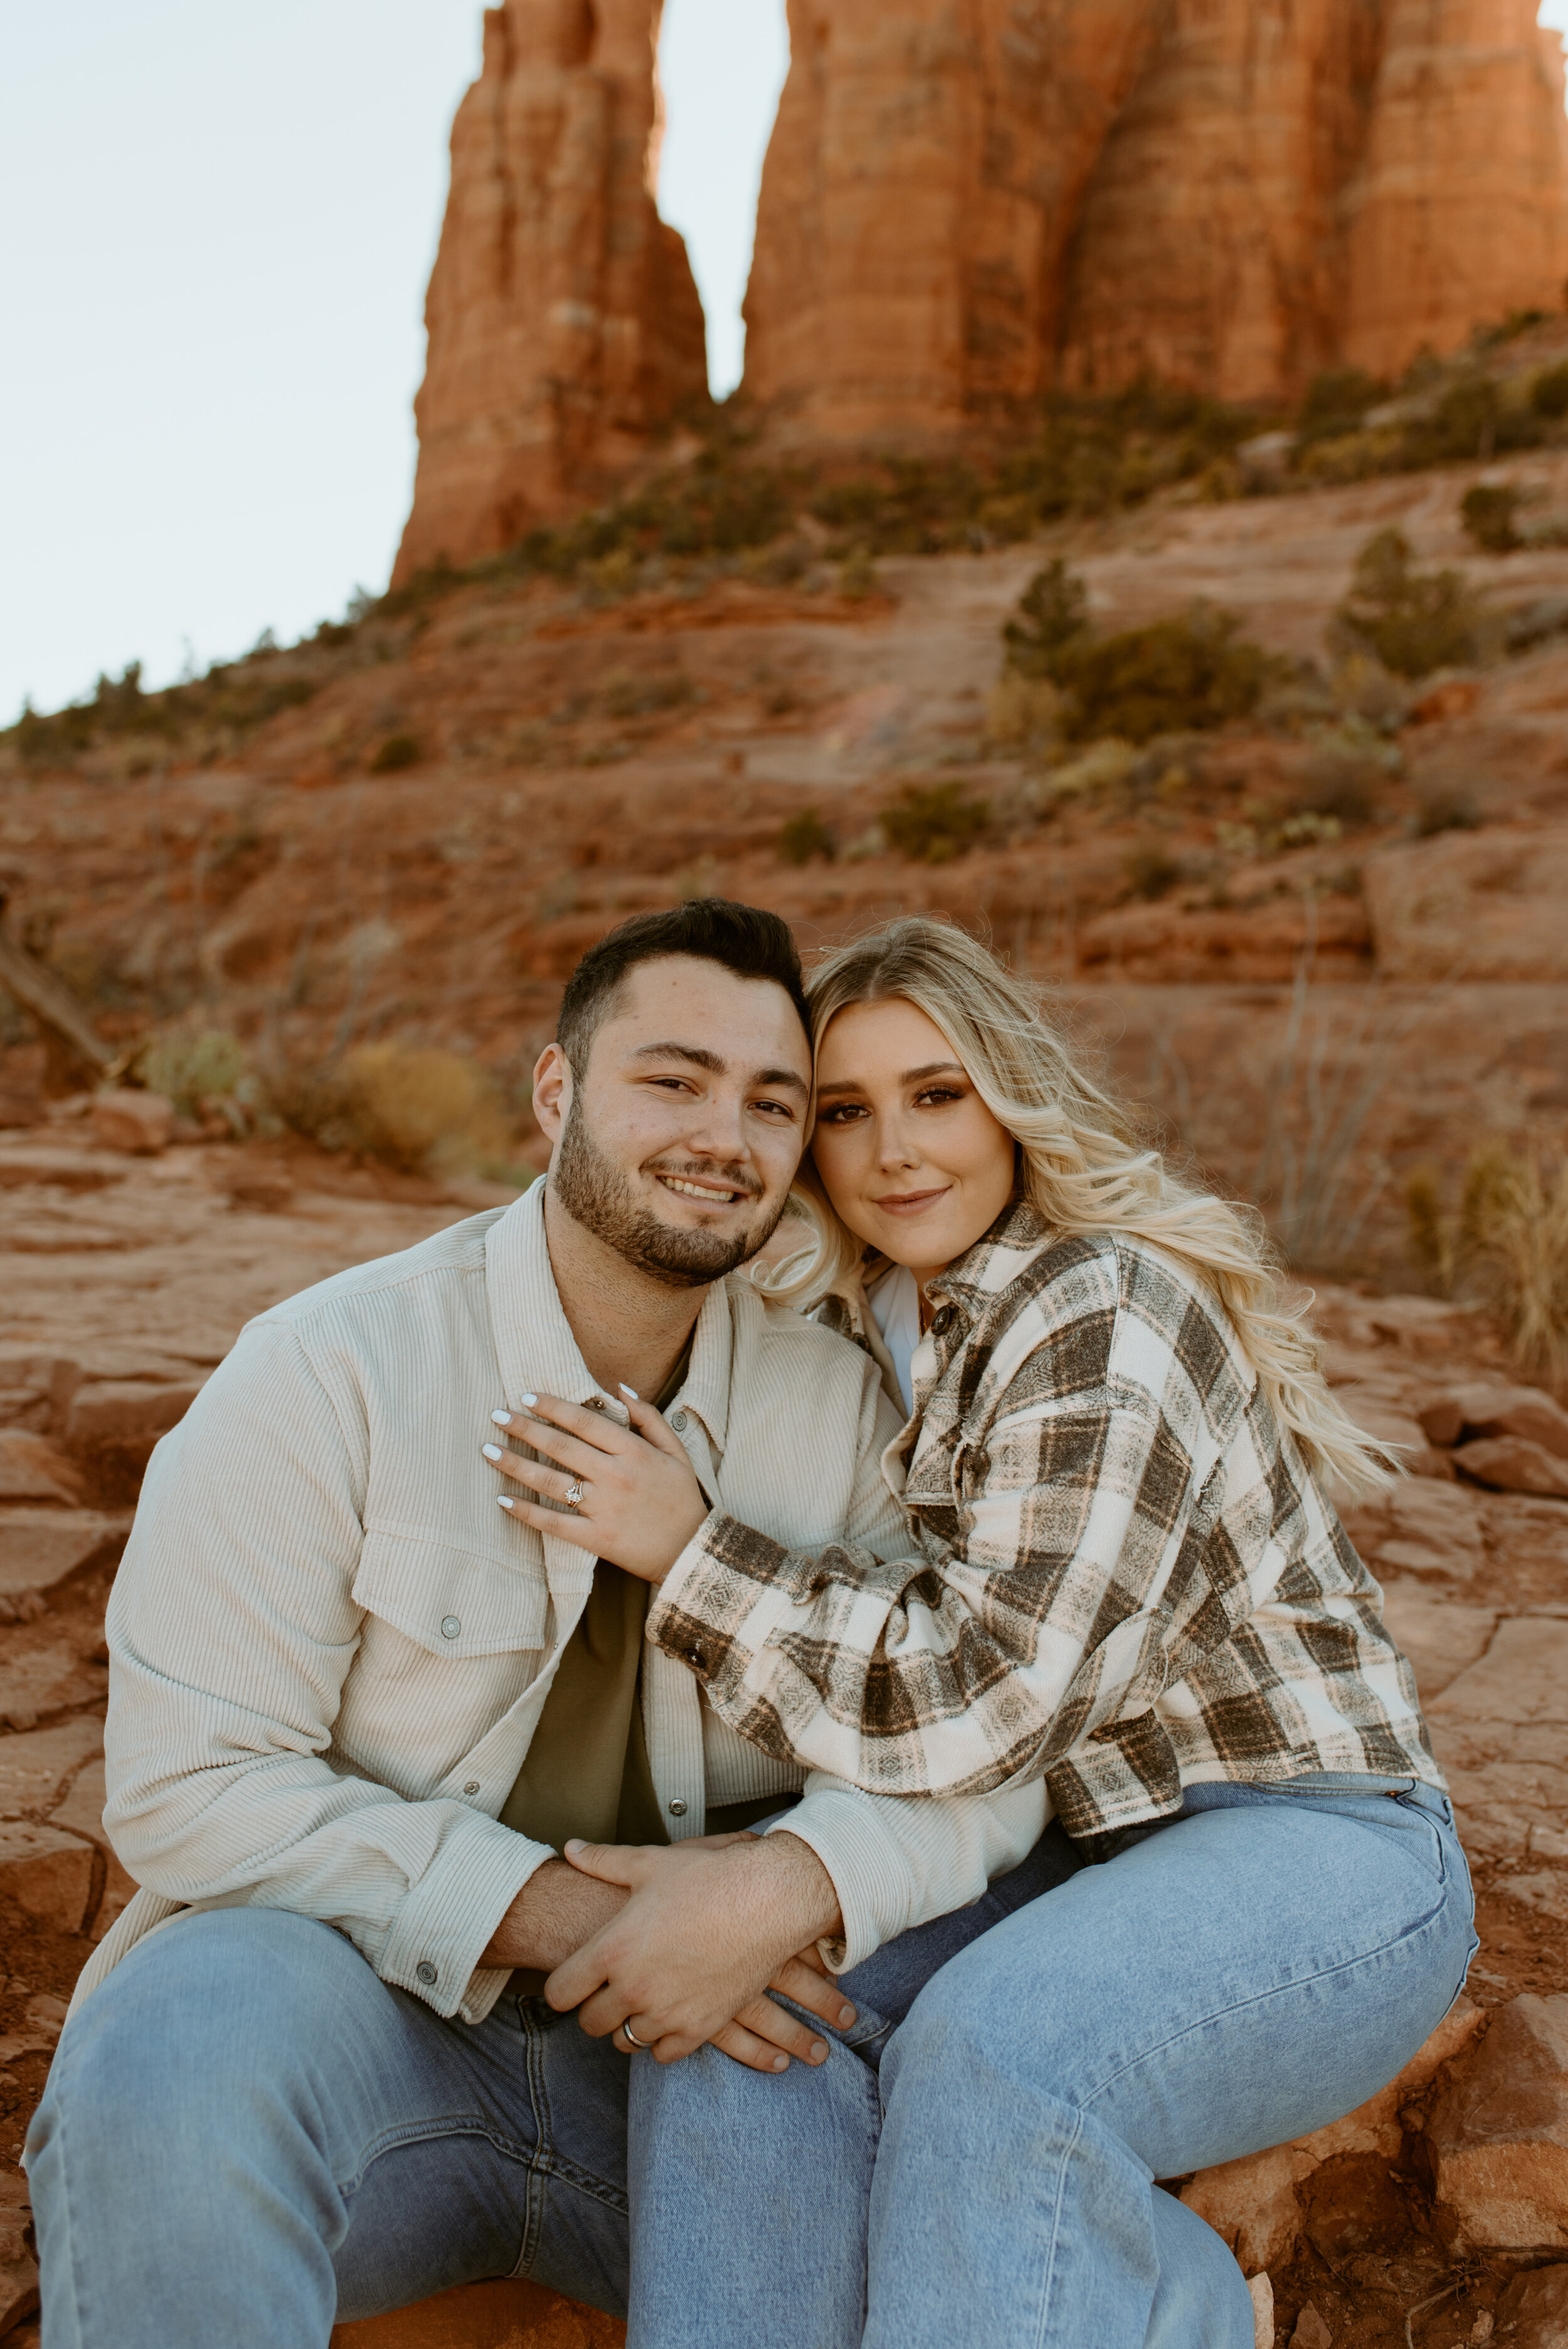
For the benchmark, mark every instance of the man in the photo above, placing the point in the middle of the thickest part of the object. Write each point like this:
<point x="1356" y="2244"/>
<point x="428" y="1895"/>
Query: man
<point x="357" y="1710"/>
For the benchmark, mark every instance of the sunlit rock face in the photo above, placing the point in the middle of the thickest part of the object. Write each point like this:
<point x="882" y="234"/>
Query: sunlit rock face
<point x="565" y="326"/>
<point x="962" y="207"/>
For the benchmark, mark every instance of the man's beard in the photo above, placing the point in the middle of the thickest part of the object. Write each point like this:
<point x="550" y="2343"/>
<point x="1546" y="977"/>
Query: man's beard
<point x="596" y="1195"/>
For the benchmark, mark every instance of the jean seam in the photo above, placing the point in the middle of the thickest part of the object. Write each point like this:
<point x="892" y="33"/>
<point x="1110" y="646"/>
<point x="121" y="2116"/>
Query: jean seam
<point x="1050" y="2259"/>
<point x="1278" y="1990"/>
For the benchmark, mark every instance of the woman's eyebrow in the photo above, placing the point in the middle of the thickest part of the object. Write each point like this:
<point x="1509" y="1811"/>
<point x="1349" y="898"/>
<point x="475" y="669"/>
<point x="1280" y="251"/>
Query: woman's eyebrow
<point x="910" y="1077"/>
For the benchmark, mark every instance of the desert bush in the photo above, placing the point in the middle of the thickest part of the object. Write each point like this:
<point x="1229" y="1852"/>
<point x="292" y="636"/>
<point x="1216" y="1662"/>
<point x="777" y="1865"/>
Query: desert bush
<point x="1181" y="675"/>
<point x="858" y="575"/>
<point x="1549" y="392"/>
<point x="1445" y="807"/>
<point x="193" y="1066"/>
<point x="1489" y="514"/>
<point x="931" y="824"/>
<point x="423" y="1110"/>
<point x="1413" y="621"/>
<point x="1051" y="614"/>
<point x="804" y="836"/>
<point x="395" y="753"/>
<point x="1344" y="777"/>
<point x="1335" y="403"/>
<point x="1149" y="870"/>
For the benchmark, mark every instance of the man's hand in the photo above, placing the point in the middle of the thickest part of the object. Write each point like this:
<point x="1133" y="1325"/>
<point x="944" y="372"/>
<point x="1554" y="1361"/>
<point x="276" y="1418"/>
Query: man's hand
<point x="706" y="1930"/>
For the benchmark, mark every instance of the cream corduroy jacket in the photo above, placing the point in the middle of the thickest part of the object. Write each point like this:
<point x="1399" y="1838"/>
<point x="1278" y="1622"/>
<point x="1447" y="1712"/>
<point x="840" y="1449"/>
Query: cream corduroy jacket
<point x="329" y="1649"/>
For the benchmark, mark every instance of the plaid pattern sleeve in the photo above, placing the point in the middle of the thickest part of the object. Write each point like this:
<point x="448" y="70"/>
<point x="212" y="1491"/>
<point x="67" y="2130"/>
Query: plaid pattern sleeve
<point x="1119" y="1574"/>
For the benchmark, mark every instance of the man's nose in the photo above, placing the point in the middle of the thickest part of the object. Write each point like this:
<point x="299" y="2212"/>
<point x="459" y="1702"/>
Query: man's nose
<point x="719" y="1131"/>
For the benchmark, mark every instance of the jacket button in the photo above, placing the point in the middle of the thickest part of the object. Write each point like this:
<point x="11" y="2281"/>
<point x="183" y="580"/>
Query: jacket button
<point x="472" y="1788"/>
<point x="695" y="1658"/>
<point x="451" y="1627"/>
<point x="677" y="1806"/>
<point x="426" y="1973"/>
<point x="942" y="1320"/>
<point x="678" y="1420"/>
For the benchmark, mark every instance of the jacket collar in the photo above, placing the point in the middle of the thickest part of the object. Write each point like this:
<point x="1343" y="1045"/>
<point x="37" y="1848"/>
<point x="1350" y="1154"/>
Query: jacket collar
<point x="533" y="1338"/>
<point x="995" y="1261"/>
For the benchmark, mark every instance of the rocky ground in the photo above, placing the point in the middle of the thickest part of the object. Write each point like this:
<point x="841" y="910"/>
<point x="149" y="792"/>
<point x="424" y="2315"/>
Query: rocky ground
<point x="125" y="1279"/>
<point x="1314" y="1010"/>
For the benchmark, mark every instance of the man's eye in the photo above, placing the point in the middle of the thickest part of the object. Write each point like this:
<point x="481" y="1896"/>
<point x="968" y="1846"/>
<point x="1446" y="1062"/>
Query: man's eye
<point x="777" y="1108"/>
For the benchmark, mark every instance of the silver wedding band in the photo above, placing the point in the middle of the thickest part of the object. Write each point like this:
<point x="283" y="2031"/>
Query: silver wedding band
<point x="575" y="1494"/>
<point x="632" y="2040"/>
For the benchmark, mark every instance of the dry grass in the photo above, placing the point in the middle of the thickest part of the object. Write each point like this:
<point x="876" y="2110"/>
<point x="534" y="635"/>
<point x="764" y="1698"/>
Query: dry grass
<point x="424" y="1111"/>
<point x="1507" y="1245"/>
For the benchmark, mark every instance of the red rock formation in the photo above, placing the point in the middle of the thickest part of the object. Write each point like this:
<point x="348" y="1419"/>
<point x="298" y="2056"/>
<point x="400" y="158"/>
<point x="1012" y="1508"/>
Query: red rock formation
<point x="958" y="211"/>
<point x="564" y="322"/>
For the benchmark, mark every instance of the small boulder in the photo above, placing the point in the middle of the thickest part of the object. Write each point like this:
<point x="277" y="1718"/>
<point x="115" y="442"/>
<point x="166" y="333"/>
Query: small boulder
<point x="1483" y="1409"/>
<point x="42" y="1547"/>
<point x="1533" y="2312"/>
<point x="138" y="1124"/>
<point x="49" y="1873"/>
<point x="33" y="1469"/>
<point x="126" y="1414"/>
<point x="1512" y="1464"/>
<point x="1498" y="2135"/>
<point x="19" y="2268"/>
<point x="1311" y="2332"/>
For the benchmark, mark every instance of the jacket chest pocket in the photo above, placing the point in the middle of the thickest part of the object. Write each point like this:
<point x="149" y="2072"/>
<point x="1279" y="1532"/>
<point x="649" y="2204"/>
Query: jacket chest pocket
<point x="450" y="1602"/>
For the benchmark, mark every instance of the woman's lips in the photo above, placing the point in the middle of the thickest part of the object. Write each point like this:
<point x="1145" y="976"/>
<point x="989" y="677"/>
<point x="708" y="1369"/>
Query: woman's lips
<point x="910" y="1203"/>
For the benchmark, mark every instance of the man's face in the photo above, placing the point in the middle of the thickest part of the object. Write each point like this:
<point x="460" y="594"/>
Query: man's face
<point x="678" y="1145"/>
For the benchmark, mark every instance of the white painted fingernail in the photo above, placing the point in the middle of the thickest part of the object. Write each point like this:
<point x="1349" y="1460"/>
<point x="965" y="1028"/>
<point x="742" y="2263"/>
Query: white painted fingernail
<point x="503" y="1500"/>
<point x="529" y="1401"/>
<point x="502" y="1418"/>
<point x="492" y="1452"/>
<point x="625" y="1390"/>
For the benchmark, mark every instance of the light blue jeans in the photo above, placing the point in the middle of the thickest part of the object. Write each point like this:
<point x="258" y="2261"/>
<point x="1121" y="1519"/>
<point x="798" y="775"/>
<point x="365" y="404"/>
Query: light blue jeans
<point x="247" y="2135"/>
<point x="981" y="2169"/>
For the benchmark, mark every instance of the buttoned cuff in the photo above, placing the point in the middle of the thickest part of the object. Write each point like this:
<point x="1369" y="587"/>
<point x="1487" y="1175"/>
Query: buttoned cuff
<point x="446" y="1920"/>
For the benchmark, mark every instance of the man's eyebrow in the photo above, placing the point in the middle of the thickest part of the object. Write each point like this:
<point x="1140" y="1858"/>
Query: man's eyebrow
<point x="910" y="1077"/>
<point x="698" y="1057"/>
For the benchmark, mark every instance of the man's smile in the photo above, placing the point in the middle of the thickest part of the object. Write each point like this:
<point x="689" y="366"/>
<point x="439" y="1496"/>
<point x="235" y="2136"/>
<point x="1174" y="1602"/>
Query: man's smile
<point x="712" y="1194"/>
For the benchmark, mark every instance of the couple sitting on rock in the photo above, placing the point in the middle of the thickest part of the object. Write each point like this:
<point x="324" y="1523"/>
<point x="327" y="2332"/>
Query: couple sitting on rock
<point x="912" y="1761"/>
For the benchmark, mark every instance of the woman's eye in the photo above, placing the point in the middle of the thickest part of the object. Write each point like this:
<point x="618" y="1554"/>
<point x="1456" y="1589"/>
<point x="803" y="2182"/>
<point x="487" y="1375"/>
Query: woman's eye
<point x="843" y="1114"/>
<point x="935" y="1096"/>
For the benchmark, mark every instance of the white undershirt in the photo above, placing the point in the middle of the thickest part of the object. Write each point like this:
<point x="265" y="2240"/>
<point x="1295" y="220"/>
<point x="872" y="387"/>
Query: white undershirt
<point x="895" y="1300"/>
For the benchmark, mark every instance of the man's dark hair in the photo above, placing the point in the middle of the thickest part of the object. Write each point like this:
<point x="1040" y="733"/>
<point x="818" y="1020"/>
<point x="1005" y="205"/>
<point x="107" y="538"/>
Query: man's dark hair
<point x="742" y="938"/>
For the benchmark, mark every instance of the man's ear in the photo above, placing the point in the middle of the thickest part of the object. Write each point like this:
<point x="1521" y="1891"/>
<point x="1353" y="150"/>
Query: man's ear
<point x="553" y="1094"/>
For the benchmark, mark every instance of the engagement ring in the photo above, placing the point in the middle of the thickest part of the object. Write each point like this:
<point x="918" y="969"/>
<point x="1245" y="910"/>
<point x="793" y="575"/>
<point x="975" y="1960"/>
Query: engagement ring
<point x="575" y="1494"/>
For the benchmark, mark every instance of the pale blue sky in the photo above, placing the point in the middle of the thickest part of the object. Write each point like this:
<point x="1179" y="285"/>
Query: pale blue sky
<point x="216" y="225"/>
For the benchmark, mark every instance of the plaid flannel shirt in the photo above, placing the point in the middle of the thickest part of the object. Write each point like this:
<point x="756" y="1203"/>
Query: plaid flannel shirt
<point x="1121" y="1573"/>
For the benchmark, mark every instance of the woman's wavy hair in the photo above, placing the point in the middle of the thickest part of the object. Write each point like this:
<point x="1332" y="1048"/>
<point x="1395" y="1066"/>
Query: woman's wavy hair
<point x="1080" y="1165"/>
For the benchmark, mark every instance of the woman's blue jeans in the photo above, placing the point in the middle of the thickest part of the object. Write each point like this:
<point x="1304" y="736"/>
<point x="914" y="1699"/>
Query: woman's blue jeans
<point x="246" y="2133"/>
<point x="983" y="2169"/>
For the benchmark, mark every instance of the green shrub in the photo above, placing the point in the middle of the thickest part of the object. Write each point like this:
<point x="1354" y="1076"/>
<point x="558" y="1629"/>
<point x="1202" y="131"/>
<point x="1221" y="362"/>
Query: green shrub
<point x="1414" y="621"/>
<point x="193" y="1066"/>
<point x="1488" y="512"/>
<point x="397" y="751"/>
<point x="1549" y="392"/>
<point x="1335" y="403"/>
<point x="931" y="824"/>
<point x="1052" y="613"/>
<point x="1182" y="674"/>
<point x="804" y="836"/>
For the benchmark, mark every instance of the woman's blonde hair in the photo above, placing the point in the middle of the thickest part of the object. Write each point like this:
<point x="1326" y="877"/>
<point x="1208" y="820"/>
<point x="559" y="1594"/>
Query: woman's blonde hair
<point x="1080" y="1165"/>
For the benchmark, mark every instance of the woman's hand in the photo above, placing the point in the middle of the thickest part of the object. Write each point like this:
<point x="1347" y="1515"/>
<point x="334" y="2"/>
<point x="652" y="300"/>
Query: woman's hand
<point x="639" y="1501"/>
<point x="707" y="1931"/>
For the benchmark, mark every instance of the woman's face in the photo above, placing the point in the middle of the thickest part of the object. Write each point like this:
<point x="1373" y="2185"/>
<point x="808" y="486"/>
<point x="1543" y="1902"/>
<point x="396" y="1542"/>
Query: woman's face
<point x="909" y="1155"/>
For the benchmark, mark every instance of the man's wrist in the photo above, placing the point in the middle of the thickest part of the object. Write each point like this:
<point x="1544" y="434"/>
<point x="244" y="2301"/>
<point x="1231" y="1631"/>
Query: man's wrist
<point x="803" y="1888"/>
<point x="556" y="1911"/>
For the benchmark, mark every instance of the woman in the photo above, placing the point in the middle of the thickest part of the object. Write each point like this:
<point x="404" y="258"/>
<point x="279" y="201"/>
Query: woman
<point x="1123" y="1575"/>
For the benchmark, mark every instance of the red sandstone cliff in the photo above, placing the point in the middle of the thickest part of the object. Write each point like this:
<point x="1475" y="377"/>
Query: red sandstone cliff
<point x="962" y="208"/>
<point x="563" y="322"/>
